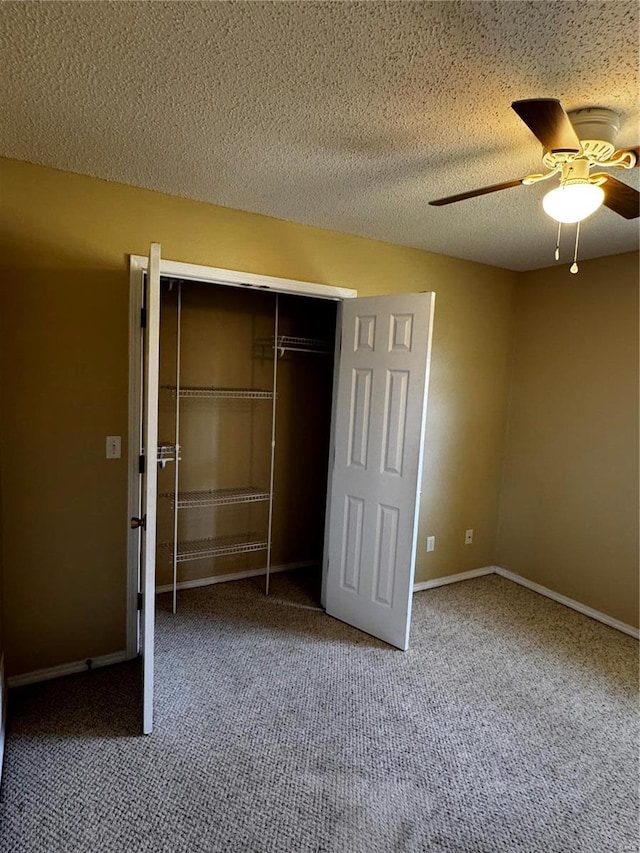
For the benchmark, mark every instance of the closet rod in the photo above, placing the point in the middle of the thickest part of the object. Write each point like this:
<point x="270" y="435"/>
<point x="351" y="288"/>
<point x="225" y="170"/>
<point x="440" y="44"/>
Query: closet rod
<point x="273" y="448"/>
<point x="176" y="476"/>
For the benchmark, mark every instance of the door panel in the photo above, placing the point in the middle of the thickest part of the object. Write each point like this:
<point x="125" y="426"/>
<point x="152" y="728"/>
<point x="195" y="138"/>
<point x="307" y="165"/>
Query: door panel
<point x="352" y="550"/>
<point x="379" y="417"/>
<point x="149" y="481"/>
<point x="359" y="420"/>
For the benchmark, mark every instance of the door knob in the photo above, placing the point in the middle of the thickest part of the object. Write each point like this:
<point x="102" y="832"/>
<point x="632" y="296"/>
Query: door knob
<point x="138" y="522"/>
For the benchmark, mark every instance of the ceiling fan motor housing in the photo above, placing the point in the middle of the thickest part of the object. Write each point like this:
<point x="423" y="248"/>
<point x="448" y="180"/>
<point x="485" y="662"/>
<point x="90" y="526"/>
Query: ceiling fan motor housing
<point x="596" y="128"/>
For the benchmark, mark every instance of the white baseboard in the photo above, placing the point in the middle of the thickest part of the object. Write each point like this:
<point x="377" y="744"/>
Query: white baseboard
<point x="65" y="669"/>
<point x="118" y="657"/>
<point x="235" y="576"/>
<point x="535" y="587"/>
<point x="569" y="602"/>
<point x="3" y="712"/>
<point x="461" y="576"/>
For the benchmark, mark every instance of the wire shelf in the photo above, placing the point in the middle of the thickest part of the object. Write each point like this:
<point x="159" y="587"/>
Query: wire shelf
<point x="201" y="549"/>
<point x="217" y="497"/>
<point x="288" y="343"/>
<point x="303" y="344"/>
<point x="219" y="393"/>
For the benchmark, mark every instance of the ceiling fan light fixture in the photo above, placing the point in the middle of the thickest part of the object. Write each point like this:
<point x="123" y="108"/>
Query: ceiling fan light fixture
<point x="573" y="202"/>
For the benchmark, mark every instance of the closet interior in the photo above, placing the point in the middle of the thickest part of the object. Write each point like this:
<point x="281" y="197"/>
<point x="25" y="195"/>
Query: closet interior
<point x="244" y="424"/>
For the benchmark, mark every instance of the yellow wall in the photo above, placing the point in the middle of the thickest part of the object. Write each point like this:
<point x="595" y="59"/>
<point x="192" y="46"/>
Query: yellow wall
<point x="64" y="247"/>
<point x="569" y="506"/>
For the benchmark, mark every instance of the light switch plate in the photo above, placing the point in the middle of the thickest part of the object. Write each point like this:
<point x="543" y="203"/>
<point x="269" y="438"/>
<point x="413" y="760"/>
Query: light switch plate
<point x="114" y="446"/>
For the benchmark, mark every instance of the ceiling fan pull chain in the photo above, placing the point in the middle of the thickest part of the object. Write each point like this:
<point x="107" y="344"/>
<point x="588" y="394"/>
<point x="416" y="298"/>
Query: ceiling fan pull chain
<point x="558" y="241"/>
<point x="574" y="266"/>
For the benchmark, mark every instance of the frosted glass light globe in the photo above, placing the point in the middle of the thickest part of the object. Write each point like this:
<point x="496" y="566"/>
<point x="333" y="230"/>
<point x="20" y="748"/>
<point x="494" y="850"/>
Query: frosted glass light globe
<point x="573" y="202"/>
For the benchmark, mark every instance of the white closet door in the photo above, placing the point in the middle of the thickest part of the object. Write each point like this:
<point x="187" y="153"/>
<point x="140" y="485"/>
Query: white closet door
<point x="379" y="436"/>
<point x="149" y="481"/>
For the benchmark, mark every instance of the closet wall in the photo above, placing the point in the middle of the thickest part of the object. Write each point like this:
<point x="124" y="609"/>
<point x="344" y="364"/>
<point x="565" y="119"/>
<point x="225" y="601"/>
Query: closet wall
<point x="64" y="386"/>
<point x="226" y="341"/>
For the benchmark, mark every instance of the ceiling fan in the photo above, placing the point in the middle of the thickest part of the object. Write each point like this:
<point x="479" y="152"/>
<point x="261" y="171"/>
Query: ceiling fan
<point x="574" y="143"/>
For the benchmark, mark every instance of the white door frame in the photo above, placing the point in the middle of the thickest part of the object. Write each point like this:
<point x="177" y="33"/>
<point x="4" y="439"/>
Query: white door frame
<point x="209" y="275"/>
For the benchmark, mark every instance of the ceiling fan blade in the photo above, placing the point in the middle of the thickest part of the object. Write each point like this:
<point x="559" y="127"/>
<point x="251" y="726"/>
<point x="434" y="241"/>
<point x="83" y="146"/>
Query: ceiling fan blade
<point x="473" y="193"/>
<point x="621" y="198"/>
<point x="547" y="120"/>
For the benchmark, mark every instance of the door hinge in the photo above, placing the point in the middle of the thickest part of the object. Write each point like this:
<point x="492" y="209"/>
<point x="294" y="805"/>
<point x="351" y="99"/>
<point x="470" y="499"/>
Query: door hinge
<point x="141" y="465"/>
<point x="143" y="318"/>
<point x="139" y="601"/>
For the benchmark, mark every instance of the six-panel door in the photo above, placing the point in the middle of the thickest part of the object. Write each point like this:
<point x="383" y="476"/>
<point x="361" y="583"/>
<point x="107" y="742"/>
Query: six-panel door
<point x="379" y="438"/>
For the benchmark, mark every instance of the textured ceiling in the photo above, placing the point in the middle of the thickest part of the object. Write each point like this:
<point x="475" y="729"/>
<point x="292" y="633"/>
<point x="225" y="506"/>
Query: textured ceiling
<point x="349" y="116"/>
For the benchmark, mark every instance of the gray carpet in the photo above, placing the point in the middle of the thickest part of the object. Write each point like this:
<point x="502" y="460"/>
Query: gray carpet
<point x="511" y="725"/>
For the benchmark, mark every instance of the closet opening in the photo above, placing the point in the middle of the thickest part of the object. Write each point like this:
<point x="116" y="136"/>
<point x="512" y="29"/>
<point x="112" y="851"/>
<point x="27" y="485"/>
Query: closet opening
<point x="244" y="421"/>
<point x="236" y="360"/>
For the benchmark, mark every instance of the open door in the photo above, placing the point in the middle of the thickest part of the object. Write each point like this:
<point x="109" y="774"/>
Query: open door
<point x="379" y="421"/>
<point x="149" y="484"/>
